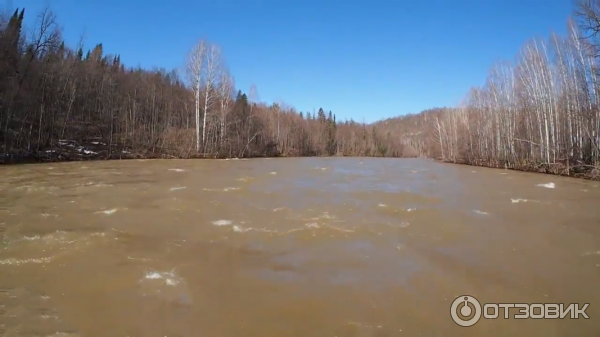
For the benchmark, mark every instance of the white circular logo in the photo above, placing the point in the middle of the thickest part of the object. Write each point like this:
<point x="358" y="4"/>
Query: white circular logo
<point x="464" y="307"/>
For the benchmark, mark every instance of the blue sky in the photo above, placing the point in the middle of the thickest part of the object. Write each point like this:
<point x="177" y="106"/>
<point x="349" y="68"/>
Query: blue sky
<point x="361" y="59"/>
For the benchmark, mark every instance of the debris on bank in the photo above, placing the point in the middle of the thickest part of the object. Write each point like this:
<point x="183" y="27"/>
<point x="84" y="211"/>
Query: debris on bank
<point x="69" y="150"/>
<point x="576" y="170"/>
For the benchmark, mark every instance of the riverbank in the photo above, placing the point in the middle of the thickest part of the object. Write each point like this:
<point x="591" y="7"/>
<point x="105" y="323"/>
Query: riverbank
<point x="95" y="149"/>
<point x="57" y="155"/>
<point x="580" y="171"/>
<point x="69" y="150"/>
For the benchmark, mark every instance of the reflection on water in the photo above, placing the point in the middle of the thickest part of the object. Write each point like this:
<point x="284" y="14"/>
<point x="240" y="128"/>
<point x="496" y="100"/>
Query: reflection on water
<point x="289" y="247"/>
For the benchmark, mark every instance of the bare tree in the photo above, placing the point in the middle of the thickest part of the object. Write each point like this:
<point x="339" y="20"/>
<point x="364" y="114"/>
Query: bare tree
<point x="213" y="63"/>
<point x="226" y="85"/>
<point x="46" y="34"/>
<point x="195" y="68"/>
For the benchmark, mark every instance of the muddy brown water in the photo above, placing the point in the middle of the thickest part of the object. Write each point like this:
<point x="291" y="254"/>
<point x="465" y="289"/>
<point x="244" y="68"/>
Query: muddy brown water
<point x="291" y="247"/>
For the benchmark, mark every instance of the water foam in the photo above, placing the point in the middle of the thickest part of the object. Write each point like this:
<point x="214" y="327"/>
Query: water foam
<point x="96" y="184"/>
<point x="516" y="201"/>
<point x="365" y="325"/>
<point x="58" y="237"/>
<point x="324" y="215"/>
<point x="60" y="241"/>
<point x="34" y="188"/>
<point x="226" y="189"/>
<point x="403" y="224"/>
<point x="13" y="261"/>
<point x="169" y="278"/>
<point x="63" y="334"/>
<point x="108" y="211"/>
<point x="240" y="229"/>
<point x="547" y="185"/>
<point x="222" y="222"/>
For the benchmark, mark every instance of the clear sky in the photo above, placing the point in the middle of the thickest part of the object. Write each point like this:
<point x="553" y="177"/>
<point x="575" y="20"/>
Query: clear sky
<point x="361" y="59"/>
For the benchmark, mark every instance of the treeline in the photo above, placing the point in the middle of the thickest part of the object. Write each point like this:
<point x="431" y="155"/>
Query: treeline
<point x="540" y="113"/>
<point x="62" y="103"/>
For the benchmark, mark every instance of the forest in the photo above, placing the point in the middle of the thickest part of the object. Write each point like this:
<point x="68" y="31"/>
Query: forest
<point x="59" y="103"/>
<point x="539" y="112"/>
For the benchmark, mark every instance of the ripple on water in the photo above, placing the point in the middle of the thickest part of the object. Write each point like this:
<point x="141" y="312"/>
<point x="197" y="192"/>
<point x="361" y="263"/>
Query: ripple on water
<point x="222" y="222"/>
<point x="348" y="262"/>
<point x="225" y="189"/>
<point x="95" y="184"/>
<point x="518" y="200"/>
<point x="27" y="312"/>
<point x="343" y="231"/>
<point x="169" y="278"/>
<point x="14" y="261"/>
<point x="107" y="211"/>
<point x="36" y="188"/>
<point x="546" y="185"/>
<point x="165" y="285"/>
<point x="43" y="249"/>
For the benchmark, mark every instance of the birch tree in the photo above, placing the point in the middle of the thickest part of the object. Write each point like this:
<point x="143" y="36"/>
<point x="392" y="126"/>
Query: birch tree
<point x="226" y="87"/>
<point x="195" y="68"/>
<point x="213" y="63"/>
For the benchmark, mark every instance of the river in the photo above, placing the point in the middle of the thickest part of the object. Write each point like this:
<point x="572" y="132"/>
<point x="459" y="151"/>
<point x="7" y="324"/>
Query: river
<point x="353" y="247"/>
